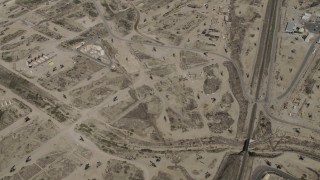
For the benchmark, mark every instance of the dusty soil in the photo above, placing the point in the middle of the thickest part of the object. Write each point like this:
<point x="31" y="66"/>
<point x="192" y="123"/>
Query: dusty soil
<point x="83" y="68"/>
<point x="12" y="113"/>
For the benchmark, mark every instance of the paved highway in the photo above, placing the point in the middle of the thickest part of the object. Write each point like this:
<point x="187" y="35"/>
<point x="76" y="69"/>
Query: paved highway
<point x="265" y="54"/>
<point x="266" y="50"/>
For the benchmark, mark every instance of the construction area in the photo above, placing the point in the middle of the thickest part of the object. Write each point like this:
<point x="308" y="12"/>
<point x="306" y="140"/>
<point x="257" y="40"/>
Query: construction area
<point x="159" y="89"/>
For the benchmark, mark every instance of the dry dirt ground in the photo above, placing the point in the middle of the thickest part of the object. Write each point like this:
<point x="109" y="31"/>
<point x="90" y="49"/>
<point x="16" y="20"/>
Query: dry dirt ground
<point x="146" y="89"/>
<point x="299" y="168"/>
<point x="297" y="67"/>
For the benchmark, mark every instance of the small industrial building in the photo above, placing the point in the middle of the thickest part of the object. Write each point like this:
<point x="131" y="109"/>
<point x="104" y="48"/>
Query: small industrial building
<point x="291" y="27"/>
<point x="306" y="16"/>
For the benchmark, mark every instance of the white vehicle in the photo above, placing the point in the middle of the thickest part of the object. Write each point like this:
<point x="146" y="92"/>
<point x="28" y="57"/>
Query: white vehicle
<point x="314" y="50"/>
